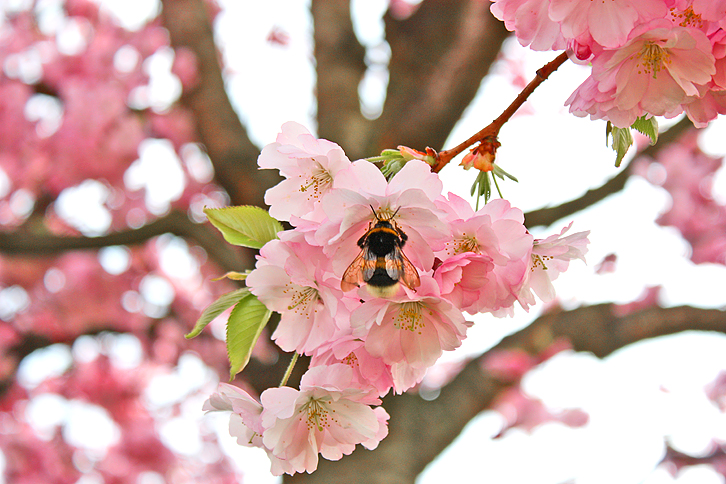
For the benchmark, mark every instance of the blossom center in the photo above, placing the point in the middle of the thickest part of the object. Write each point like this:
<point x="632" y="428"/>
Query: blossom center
<point x="465" y="243"/>
<point x="385" y="213"/>
<point x="687" y="18"/>
<point x="653" y="58"/>
<point x="318" y="416"/>
<point x="409" y="316"/>
<point x="351" y="360"/>
<point x="302" y="298"/>
<point x="538" y="261"/>
<point x="318" y="182"/>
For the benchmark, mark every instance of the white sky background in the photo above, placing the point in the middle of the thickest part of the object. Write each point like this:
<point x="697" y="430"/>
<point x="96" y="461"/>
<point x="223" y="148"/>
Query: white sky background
<point x="556" y="157"/>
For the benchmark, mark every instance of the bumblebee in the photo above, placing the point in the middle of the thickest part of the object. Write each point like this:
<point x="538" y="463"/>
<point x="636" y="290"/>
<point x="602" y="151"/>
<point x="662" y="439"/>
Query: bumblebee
<point x="381" y="264"/>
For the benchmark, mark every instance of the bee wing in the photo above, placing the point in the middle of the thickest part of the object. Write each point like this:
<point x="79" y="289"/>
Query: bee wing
<point x="358" y="271"/>
<point x="399" y="268"/>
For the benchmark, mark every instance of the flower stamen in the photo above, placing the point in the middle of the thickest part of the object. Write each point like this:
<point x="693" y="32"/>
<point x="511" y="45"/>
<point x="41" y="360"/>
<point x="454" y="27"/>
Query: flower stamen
<point x="318" y="417"/>
<point x="301" y="299"/>
<point x="319" y="181"/>
<point x="409" y="316"/>
<point x="687" y="18"/>
<point x="653" y="58"/>
<point x="539" y="261"/>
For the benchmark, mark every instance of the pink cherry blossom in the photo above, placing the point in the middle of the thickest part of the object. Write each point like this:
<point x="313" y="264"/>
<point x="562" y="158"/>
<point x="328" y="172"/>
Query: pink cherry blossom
<point x="607" y="23"/>
<point x="588" y="100"/>
<point x="525" y="412"/>
<point x="406" y="376"/>
<point x="329" y="416"/>
<point x="493" y="237"/>
<point x="309" y="166"/>
<point x="410" y="196"/>
<point x="248" y="409"/>
<point x="706" y="108"/>
<point x="653" y="73"/>
<point x="550" y="257"/>
<point x="245" y="422"/>
<point x="367" y="370"/>
<point x="413" y="328"/>
<point x="463" y="277"/>
<point x="530" y="22"/>
<point x="689" y="181"/>
<point x="290" y="278"/>
<point x="648" y="298"/>
<point x="704" y="14"/>
<point x="508" y="365"/>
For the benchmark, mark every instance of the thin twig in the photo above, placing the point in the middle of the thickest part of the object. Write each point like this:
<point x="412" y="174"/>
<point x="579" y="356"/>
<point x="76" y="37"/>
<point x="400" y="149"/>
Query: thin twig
<point x="492" y="130"/>
<point x="290" y="367"/>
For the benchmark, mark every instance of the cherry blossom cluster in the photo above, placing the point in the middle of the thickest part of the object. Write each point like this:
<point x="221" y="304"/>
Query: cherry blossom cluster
<point x="72" y="77"/>
<point x="361" y="345"/>
<point x="648" y="57"/>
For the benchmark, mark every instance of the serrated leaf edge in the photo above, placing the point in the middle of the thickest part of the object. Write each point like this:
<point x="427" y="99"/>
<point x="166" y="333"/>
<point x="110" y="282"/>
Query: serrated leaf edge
<point x="222" y="303"/>
<point x="238" y="364"/>
<point x="260" y="224"/>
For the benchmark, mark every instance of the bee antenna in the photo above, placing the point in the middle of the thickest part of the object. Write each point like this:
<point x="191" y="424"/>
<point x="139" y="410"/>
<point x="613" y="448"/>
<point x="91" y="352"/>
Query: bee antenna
<point x="374" y="212"/>
<point x="394" y="213"/>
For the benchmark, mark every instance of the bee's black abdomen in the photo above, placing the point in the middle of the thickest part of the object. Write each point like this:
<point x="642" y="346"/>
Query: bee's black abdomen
<point x="380" y="278"/>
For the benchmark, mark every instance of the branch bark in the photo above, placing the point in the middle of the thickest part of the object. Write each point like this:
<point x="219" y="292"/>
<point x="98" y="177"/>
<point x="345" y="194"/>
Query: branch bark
<point x="549" y="215"/>
<point x="420" y="430"/>
<point x="177" y="223"/>
<point x="439" y="56"/>
<point x="340" y="67"/>
<point x="232" y="153"/>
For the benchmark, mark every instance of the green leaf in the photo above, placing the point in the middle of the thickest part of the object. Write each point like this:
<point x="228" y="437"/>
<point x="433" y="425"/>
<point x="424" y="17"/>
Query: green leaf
<point x="244" y="225"/>
<point x="244" y="326"/>
<point x="216" y="308"/>
<point x="622" y="140"/>
<point x="648" y="127"/>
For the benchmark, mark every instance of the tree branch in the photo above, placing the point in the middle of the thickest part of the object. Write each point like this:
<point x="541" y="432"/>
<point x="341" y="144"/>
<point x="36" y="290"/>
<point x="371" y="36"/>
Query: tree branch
<point x="232" y="153"/>
<point x="492" y="129"/>
<point x="420" y="430"/>
<point x="177" y="223"/>
<point x="439" y="56"/>
<point x="340" y="67"/>
<point x="549" y="215"/>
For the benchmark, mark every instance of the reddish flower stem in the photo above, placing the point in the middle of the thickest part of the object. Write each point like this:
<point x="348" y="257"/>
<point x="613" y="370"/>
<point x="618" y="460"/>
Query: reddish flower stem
<point x="492" y="130"/>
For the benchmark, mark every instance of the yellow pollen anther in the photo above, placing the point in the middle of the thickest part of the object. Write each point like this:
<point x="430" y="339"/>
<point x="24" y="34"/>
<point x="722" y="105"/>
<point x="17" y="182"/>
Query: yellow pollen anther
<point x="302" y="298"/>
<point x="317" y="183"/>
<point x="317" y="415"/>
<point x="409" y="317"/>
<point x="653" y="58"/>
<point x="467" y="244"/>
<point x="539" y="261"/>
<point x="687" y="17"/>
<point x="351" y="360"/>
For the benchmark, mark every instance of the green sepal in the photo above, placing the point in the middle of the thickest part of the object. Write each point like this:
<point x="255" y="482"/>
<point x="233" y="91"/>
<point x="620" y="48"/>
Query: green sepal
<point x="245" y="225"/>
<point x="483" y="184"/>
<point x="501" y="174"/>
<point x="245" y="323"/>
<point x="224" y="302"/>
<point x="622" y="140"/>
